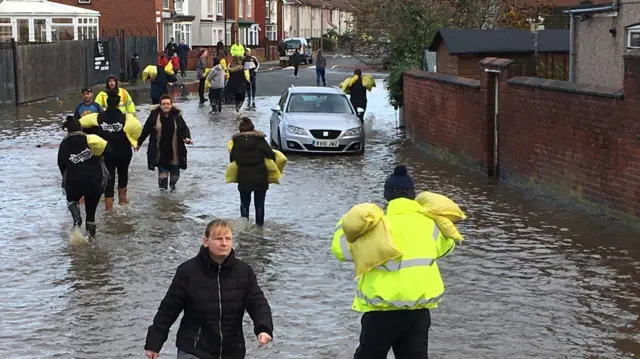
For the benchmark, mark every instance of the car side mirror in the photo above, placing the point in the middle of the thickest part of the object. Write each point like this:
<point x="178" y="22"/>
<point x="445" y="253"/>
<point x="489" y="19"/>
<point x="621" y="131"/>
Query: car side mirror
<point x="276" y="109"/>
<point x="360" y="110"/>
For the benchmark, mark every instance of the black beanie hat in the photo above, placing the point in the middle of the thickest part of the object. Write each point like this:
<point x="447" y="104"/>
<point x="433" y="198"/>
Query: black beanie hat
<point x="399" y="185"/>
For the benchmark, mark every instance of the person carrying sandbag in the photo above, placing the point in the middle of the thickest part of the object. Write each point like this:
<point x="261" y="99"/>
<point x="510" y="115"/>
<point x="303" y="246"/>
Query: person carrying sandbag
<point x="396" y="295"/>
<point x="250" y="148"/>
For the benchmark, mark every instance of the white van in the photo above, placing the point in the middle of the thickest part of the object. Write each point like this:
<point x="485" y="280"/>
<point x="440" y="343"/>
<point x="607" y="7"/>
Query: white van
<point x="293" y="43"/>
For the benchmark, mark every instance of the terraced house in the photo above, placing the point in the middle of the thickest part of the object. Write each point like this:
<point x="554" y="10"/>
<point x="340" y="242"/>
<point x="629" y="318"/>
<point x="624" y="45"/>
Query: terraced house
<point x="314" y="18"/>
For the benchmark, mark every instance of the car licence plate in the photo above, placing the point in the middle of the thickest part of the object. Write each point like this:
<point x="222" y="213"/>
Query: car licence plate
<point x="325" y="143"/>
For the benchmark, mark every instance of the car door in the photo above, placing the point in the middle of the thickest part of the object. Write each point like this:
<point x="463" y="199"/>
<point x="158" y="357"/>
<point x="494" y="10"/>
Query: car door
<point x="276" y="118"/>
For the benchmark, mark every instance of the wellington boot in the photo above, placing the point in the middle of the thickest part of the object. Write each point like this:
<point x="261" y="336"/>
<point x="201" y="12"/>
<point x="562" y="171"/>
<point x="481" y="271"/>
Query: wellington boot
<point x="108" y="203"/>
<point x="91" y="230"/>
<point x="122" y="196"/>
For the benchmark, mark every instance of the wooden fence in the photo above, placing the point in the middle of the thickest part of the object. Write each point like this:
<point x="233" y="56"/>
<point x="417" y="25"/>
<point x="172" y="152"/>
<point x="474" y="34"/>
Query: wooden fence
<point x="32" y="72"/>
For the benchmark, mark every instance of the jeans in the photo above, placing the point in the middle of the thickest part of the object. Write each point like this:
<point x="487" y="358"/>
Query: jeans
<point x="201" y="90"/>
<point x="183" y="66"/>
<point x="251" y="89"/>
<point x="121" y="165"/>
<point x="245" y="203"/>
<point x="320" y="74"/>
<point x="215" y="99"/>
<point x="168" y="176"/>
<point x="404" y="331"/>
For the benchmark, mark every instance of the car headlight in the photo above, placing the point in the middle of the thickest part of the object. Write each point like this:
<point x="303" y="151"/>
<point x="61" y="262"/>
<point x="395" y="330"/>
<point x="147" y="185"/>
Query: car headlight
<point x="296" y="130"/>
<point x="353" y="132"/>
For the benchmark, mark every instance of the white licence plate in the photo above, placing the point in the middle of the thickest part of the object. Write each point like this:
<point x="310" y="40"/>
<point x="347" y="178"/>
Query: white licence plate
<point x="325" y="143"/>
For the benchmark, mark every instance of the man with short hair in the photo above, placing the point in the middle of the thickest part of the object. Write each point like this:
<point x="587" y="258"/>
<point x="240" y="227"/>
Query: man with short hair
<point x="87" y="106"/>
<point x="252" y="64"/>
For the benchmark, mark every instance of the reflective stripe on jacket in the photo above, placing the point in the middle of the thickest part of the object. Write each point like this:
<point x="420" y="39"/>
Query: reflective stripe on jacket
<point x="126" y="103"/>
<point x="412" y="281"/>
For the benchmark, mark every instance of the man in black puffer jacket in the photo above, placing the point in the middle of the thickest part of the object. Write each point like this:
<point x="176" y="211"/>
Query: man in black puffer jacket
<point x="213" y="289"/>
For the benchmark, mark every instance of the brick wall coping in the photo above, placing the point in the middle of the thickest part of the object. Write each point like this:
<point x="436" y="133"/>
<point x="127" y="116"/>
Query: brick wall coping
<point x="564" y="86"/>
<point x="445" y="78"/>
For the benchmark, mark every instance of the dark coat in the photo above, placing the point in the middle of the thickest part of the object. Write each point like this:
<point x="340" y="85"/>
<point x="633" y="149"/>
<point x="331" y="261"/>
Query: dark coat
<point x="296" y="58"/>
<point x="249" y="152"/>
<point x="160" y="83"/>
<point x="214" y="298"/>
<point x="135" y="65"/>
<point x="78" y="164"/>
<point x="154" y="153"/>
<point x="183" y="51"/>
<point x="170" y="49"/>
<point x="111" y="128"/>
<point x="237" y="83"/>
<point x="358" y="94"/>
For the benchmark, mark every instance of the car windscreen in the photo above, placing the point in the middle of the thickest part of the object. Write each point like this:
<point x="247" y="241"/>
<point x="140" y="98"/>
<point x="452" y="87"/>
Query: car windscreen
<point x="293" y="44"/>
<point x="319" y="103"/>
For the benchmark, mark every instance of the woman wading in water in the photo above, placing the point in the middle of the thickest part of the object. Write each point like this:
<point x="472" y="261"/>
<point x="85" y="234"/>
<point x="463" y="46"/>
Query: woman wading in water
<point x="168" y="135"/>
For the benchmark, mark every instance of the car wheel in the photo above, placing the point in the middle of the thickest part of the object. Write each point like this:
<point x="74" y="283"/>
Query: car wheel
<point x="280" y="146"/>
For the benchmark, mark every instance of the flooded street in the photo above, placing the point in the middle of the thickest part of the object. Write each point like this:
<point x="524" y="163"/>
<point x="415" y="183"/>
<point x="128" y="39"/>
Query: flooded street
<point x="533" y="279"/>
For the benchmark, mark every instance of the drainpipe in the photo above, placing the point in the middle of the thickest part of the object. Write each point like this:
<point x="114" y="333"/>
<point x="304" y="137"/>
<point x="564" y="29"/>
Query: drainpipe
<point x="572" y="30"/>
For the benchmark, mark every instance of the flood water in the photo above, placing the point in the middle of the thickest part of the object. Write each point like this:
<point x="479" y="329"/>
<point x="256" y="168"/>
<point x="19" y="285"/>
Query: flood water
<point x="533" y="279"/>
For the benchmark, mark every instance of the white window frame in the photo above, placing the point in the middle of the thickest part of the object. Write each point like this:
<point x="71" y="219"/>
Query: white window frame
<point x="241" y="8"/>
<point x="176" y="7"/>
<point x="167" y="3"/>
<point x="249" y="7"/>
<point x="632" y="30"/>
<point x="210" y="7"/>
<point x="84" y="1"/>
<point x="220" y="7"/>
<point x="272" y="30"/>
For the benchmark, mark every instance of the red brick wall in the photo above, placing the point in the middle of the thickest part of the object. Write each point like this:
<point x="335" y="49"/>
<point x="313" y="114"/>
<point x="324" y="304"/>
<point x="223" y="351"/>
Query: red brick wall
<point x="260" y="17"/>
<point x="138" y="19"/>
<point x="575" y="141"/>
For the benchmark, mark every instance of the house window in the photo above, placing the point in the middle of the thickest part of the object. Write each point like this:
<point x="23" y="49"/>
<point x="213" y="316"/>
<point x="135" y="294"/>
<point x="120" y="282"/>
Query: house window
<point x="210" y="7"/>
<point x="165" y="4"/>
<point x="5" y="29"/>
<point x="177" y="5"/>
<point x="182" y="32"/>
<point x="633" y="37"/>
<point x="220" y="7"/>
<point x="87" y="28"/>
<point x="271" y="32"/>
<point x="84" y="1"/>
<point x="167" y="32"/>
<point x="249" y="5"/>
<point x="241" y="8"/>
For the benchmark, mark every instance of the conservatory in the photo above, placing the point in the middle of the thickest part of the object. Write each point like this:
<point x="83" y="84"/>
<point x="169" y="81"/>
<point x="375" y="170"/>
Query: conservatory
<point x="44" y="21"/>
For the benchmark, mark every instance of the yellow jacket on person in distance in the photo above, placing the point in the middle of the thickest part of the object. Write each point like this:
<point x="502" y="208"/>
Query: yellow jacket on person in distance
<point x="443" y="211"/>
<point x="411" y="281"/>
<point x="126" y="103"/>
<point x="132" y="127"/>
<point x="237" y="50"/>
<point x="150" y="72"/>
<point x="367" y="81"/>
<point x="275" y="169"/>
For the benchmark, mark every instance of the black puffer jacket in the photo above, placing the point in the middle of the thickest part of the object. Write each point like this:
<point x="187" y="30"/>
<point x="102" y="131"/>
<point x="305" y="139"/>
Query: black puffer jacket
<point x="214" y="298"/>
<point x="249" y="152"/>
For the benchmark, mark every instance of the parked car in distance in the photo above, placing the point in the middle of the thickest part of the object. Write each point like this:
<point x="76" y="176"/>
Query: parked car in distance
<point x="293" y="43"/>
<point x="313" y="119"/>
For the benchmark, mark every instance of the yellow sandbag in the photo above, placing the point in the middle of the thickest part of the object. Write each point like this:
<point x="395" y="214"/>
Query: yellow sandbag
<point x="368" y="82"/>
<point x="369" y="235"/>
<point x="275" y="169"/>
<point x="346" y="84"/>
<point x="133" y="129"/>
<point x="223" y="64"/>
<point x="207" y="83"/>
<point x="247" y="76"/>
<point x="149" y="72"/>
<point x="89" y="120"/>
<point x="443" y="211"/>
<point x="168" y="69"/>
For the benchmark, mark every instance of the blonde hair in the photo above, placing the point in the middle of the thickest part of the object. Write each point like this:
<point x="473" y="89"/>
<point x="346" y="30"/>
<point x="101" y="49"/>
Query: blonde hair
<point x="216" y="223"/>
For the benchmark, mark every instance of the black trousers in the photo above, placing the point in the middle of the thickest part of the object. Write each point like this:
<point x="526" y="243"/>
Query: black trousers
<point x="404" y="331"/>
<point x="215" y="99"/>
<point x="362" y="105"/>
<point x="239" y="98"/>
<point x="91" y="193"/>
<point x="295" y="70"/>
<point x="258" y="200"/>
<point x="119" y="163"/>
<point x="183" y="66"/>
<point x="201" y="89"/>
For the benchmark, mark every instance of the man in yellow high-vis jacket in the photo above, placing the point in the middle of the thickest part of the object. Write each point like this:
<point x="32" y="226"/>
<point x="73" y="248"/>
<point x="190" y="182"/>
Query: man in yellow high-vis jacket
<point x="396" y="296"/>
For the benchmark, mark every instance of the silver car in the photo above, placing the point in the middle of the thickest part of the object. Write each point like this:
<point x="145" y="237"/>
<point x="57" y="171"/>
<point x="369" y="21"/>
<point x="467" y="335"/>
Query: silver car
<point x="316" y="120"/>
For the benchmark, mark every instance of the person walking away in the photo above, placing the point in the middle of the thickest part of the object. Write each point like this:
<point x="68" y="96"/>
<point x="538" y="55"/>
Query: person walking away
<point x="135" y="68"/>
<point x="296" y="60"/>
<point x="213" y="289"/>
<point x="396" y="298"/>
<point x="183" y="55"/>
<point x="358" y="94"/>
<point x="321" y="65"/>
<point x="250" y="148"/>
<point x="159" y="85"/>
<point x="112" y="125"/>
<point x="83" y="172"/>
<point x="216" y="78"/>
<point x="237" y="82"/>
<point x="200" y="67"/>
<point x="168" y="133"/>
<point x="126" y="103"/>
<point x="252" y="64"/>
<point x="87" y="106"/>
<point x="171" y="48"/>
